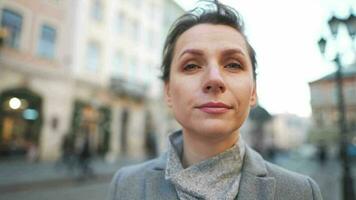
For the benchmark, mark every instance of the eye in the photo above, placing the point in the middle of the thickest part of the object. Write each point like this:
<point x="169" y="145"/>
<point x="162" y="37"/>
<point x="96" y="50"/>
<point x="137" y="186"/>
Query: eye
<point x="191" y="67"/>
<point x="233" y="66"/>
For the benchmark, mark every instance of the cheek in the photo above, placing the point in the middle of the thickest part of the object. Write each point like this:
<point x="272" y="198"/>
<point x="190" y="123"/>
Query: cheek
<point x="180" y="102"/>
<point x="178" y="94"/>
<point x="183" y="88"/>
<point x="242" y="92"/>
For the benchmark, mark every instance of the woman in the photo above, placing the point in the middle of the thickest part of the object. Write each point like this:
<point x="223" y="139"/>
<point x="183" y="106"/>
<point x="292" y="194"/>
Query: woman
<point x="210" y="84"/>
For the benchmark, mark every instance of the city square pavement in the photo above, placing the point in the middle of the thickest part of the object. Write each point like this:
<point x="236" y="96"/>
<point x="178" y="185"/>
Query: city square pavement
<point x="83" y="191"/>
<point x="41" y="181"/>
<point x="20" y="180"/>
<point x="327" y="174"/>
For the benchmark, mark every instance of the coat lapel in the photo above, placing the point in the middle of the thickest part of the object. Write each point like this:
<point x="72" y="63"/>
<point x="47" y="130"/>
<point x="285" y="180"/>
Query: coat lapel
<point x="254" y="182"/>
<point x="155" y="181"/>
<point x="259" y="188"/>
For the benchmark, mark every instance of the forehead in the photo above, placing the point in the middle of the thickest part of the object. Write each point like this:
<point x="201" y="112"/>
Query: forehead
<point x="211" y="36"/>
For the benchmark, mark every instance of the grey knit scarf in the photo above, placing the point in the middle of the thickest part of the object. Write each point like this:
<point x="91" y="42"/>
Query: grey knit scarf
<point x="215" y="178"/>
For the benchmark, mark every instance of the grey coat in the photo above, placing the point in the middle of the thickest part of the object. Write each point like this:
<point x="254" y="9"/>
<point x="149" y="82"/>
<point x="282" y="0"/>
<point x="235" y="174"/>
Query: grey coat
<point x="260" y="180"/>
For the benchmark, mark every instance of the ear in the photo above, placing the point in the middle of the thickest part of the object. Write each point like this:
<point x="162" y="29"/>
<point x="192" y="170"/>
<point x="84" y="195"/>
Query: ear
<point x="167" y="94"/>
<point x="253" y="98"/>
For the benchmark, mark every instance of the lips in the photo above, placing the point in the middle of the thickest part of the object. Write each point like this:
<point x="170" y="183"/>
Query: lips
<point x="214" y="108"/>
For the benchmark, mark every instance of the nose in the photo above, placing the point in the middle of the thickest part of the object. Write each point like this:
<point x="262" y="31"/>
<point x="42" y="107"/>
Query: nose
<point x="214" y="82"/>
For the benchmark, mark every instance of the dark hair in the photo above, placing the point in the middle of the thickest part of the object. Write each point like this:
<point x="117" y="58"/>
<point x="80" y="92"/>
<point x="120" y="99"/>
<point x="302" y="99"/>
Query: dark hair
<point x="213" y="13"/>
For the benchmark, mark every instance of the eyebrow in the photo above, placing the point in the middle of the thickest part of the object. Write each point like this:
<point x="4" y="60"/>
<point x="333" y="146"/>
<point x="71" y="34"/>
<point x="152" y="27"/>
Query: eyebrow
<point x="192" y="51"/>
<point x="233" y="51"/>
<point x="227" y="51"/>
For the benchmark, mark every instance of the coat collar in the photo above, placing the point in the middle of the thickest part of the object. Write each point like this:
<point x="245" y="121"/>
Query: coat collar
<point x="254" y="184"/>
<point x="157" y="187"/>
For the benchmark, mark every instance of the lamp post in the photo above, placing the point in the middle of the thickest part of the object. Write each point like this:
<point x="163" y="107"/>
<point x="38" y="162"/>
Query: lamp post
<point x="334" y="23"/>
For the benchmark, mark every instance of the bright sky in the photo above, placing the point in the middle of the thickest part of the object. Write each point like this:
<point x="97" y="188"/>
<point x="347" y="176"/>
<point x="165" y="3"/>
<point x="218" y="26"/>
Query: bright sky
<point x="284" y="34"/>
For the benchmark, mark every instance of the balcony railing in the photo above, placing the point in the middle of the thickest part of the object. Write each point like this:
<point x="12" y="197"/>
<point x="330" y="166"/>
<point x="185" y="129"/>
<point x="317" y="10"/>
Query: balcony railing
<point x="130" y="88"/>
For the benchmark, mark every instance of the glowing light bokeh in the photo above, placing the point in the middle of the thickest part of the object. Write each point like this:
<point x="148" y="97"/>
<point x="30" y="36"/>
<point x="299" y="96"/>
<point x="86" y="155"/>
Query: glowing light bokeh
<point x="15" y="103"/>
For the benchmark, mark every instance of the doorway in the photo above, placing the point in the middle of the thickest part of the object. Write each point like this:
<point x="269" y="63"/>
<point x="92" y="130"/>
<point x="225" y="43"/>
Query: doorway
<point x="20" y="122"/>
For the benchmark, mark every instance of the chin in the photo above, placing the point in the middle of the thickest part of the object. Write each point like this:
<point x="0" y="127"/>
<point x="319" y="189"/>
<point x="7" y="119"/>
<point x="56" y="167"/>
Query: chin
<point x="215" y="130"/>
<point x="210" y="128"/>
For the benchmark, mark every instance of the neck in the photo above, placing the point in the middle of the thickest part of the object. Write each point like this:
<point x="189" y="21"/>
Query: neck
<point x="197" y="149"/>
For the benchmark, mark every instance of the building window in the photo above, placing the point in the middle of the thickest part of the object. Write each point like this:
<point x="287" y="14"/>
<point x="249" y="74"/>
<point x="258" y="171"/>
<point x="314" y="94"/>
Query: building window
<point x="154" y="11"/>
<point x="93" y="57"/>
<point x="147" y="72"/>
<point x="47" y="42"/>
<point x="97" y="10"/>
<point x="118" y="64"/>
<point x="12" y="22"/>
<point x="350" y="93"/>
<point x="352" y="125"/>
<point x="136" y="31"/>
<point x="132" y="28"/>
<point x="138" y="3"/>
<point x="119" y="22"/>
<point x="133" y="68"/>
<point x="152" y="39"/>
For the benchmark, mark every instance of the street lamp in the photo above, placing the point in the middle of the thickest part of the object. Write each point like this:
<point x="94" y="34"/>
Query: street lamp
<point x="334" y="23"/>
<point x="351" y="25"/>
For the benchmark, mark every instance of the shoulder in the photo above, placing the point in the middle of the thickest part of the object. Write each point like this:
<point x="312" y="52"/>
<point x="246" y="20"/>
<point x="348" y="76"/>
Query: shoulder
<point x="283" y="174"/>
<point x="290" y="183"/>
<point x="286" y="184"/>
<point x="130" y="179"/>
<point x="136" y="172"/>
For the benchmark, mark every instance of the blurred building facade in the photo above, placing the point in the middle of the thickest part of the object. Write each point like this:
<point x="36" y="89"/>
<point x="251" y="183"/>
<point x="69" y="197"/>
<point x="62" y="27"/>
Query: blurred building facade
<point x="257" y="129"/>
<point x="324" y="105"/>
<point x="35" y="77"/>
<point x="289" y="130"/>
<point x="83" y="67"/>
<point x="116" y="62"/>
<point x="267" y="133"/>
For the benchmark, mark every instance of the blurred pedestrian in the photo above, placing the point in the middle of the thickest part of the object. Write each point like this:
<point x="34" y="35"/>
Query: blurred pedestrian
<point x="151" y="144"/>
<point x="32" y="152"/>
<point x="271" y="153"/>
<point x="68" y="157"/>
<point x="209" y="76"/>
<point x="322" y="153"/>
<point x="84" y="155"/>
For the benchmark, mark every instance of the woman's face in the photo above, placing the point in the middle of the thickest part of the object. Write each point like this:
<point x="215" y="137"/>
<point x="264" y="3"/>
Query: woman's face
<point x="211" y="85"/>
